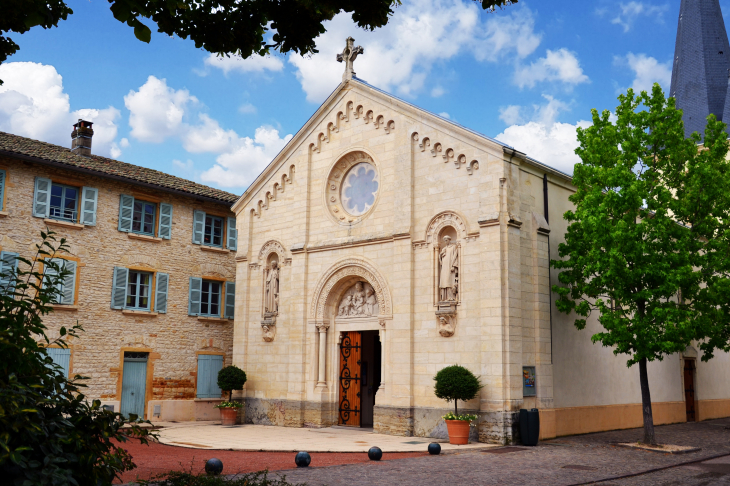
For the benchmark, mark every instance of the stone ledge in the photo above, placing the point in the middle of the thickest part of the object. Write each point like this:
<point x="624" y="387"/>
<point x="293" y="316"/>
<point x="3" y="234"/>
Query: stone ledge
<point x="63" y="224"/>
<point x="64" y="307"/>
<point x="4" y="214"/>
<point x="214" y="249"/>
<point x="138" y="313"/>
<point x="137" y="236"/>
<point x="214" y="319"/>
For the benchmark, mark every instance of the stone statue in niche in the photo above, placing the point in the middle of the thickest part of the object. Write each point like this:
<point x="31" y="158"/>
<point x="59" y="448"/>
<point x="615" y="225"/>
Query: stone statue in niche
<point x="448" y="271"/>
<point x="359" y="301"/>
<point x="271" y="300"/>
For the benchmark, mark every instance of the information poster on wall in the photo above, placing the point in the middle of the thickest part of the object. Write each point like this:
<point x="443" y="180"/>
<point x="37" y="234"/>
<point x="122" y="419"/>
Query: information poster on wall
<point x="528" y="381"/>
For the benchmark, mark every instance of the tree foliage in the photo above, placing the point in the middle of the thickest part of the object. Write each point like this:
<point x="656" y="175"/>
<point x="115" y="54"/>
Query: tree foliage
<point x="648" y="245"/>
<point x="243" y="27"/>
<point x="49" y="433"/>
<point x="231" y="378"/>
<point x="456" y="383"/>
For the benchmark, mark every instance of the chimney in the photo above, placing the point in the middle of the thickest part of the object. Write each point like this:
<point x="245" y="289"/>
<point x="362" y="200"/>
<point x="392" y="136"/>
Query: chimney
<point x="81" y="138"/>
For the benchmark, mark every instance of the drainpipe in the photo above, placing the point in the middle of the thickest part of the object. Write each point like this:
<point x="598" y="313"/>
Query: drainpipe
<point x="550" y="284"/>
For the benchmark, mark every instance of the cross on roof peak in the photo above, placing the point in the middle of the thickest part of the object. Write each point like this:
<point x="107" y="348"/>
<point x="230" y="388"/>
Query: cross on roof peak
<point x="349" y="54"/>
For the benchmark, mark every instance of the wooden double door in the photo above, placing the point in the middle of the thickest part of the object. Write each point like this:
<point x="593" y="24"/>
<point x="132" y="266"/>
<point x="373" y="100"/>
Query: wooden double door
<point x="359" y="377"/>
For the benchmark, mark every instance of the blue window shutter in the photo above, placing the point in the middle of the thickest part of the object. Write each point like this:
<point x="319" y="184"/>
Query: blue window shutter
<point x="232" y="234"/>
<point x="49" y="273"/>
<point x="89" y="196"/>
<point x="198" y="226"/>
<point x="60" y="357"/>
<point x="165" y="229"/>
<point x="42" y="198"/>
<point x="216" y="363"/>
<point x="8" y="270"/>
<point x="126" y="209"/>
<point x="203" y="377"/>
<point x="230" y="300"/>
<point x="163" y="280"/>
<point x="3" y="175"/>
<point x="69" y="282"/>
<point x="196" y="286"/>
<point x="119" y="287"/>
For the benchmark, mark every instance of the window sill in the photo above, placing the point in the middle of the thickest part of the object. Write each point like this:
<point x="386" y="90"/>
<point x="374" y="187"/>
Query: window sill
<point x="64" y="307"/>
<point x="214" y="319"/>
<point x="139" y="313"/>
<point x="214" y="249"/>
<point x="208" y="399"/>
<point x="4" y="214"/>
<point x="64" y="224"/>
<point x="136" y="236"/>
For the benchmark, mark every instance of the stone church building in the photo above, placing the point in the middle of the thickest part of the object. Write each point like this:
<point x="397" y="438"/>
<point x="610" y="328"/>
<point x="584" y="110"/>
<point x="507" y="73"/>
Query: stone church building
<point x="384" y="243"/>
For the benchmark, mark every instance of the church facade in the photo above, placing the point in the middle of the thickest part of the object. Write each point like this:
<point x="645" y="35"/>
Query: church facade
<point x="384" y="243"/>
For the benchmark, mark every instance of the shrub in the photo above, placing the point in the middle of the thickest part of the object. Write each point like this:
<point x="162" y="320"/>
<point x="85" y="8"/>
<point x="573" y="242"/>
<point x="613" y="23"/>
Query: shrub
<point x="49" y="433"/>
<point x="456" y="383"/>
<point x="179" y="478"/>
<point x="231" y="378"/>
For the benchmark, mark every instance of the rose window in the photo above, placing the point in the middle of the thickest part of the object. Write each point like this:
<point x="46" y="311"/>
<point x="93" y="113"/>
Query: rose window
<point x="352" y="188"/>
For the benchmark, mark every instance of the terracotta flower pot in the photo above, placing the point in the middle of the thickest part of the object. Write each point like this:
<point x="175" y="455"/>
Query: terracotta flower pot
<point x="458" y="431"/>
<point x="228" y="415"/>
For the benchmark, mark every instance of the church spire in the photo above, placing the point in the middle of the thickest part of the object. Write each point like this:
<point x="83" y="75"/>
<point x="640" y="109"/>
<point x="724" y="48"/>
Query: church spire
<point x="701" y="62"/>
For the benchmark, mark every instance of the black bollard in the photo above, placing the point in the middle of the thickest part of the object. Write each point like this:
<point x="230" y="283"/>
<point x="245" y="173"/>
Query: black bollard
<point x="213" y="467"/>
<point x="302" y="459"/>
<point x="434" y="448"/>
<point x="375" y="454"/>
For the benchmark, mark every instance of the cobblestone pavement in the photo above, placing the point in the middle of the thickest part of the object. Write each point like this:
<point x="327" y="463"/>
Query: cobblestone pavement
<point x="565" y="461"/>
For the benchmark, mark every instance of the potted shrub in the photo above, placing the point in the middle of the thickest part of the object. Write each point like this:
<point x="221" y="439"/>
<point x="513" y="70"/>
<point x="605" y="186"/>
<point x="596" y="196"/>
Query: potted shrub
<point x="230" y="378"/>
<point x="457" y="383"/>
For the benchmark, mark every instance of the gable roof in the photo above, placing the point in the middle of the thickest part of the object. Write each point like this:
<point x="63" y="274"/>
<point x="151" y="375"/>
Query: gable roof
<point x="311" y="124"/>
<point x="49" y="154"/>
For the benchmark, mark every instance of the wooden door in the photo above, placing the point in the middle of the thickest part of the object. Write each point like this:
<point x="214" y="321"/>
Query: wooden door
<point x="689" y="388"/>
<point x="350" y="378"/>
<point x="134" y="384"/>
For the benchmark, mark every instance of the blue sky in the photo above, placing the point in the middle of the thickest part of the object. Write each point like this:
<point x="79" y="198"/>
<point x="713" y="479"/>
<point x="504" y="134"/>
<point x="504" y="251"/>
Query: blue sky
<point x="526" y="75"/>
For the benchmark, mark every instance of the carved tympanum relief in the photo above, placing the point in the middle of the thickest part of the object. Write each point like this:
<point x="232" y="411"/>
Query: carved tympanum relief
<point x="352" y="188"/>
<point x="360" y="300"/>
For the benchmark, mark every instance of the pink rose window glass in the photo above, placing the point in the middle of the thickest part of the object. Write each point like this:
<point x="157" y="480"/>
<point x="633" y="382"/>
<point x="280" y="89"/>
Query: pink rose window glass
<point x="359" y="189"/>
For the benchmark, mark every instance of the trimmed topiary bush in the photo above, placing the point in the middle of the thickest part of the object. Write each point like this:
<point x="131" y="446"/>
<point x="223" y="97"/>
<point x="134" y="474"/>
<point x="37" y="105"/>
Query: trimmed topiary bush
<point x="456" y="383"/>
<point x="231" y="378"/>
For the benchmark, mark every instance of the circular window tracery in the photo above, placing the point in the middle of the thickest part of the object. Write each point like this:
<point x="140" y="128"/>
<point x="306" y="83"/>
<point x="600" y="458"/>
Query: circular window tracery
<point x="352" y="188"/>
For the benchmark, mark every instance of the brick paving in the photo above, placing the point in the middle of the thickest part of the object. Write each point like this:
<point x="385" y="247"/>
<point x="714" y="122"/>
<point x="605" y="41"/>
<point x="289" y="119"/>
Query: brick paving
<point x="565" y="461"/>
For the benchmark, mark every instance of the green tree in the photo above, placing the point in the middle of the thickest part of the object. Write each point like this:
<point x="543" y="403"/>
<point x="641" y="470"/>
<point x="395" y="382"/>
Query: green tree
<point x="49" y="433"/>
<point x="231" y="378"/>
<point x="220" y="26"/>
<point x="456" y="383"/>
<point x="648" y="245"/>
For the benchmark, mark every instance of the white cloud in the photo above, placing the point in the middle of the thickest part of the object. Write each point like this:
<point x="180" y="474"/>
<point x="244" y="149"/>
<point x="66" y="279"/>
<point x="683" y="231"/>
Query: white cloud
<point x="545" y="114"/>
<point x="253" y="64"/>
<point x="246" y="158"/>
<point x="561" y="65"/>
<point x="247" y="109"/>
<point x="647" y="71"/>
<point x="400" y="56"/>
<point x="157" y="111"/>
<point x="630" y="12"/>
<point x="437" y="91"/>
<point x="511" y="114"/>
<point x="33" y="104"/>
<point x="553" y="144"/>
<point x="445" y="115"/>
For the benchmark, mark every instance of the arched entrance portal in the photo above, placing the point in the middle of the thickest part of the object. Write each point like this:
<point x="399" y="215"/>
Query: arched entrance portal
<point x="352" y="299"/>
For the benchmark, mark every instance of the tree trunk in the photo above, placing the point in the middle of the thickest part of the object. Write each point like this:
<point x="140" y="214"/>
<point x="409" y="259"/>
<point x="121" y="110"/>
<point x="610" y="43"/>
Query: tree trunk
<point x="649" y="437"/>
<point x="456" y="407"/>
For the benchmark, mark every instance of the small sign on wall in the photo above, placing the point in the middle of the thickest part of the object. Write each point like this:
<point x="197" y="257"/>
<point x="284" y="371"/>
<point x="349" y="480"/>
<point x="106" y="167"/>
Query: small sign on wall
<point x="528" y="381"/>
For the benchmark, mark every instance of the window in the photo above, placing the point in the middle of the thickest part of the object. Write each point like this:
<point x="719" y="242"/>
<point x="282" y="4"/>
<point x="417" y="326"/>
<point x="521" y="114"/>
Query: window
<point x="206" y="299"/>
<point x="208" y="367"/>
<point x="60" y="357"/>
<point x="64" y="203"/>
<point x="8" y="270"/>
<point x="213" y="235"/>
<point x="3" y="176"/>
<point x="143" y="217"/>
<point x="139" y="216"/>
<point x="210" y="299"/>
<point x="138" y="290"/>
<point x="210" y="230"/>
<point x="67" y="286"/>
<point x="132" y="289"/>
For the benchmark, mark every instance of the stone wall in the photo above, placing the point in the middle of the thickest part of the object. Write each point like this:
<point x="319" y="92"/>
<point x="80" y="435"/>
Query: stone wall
<point x="172" y="339"/>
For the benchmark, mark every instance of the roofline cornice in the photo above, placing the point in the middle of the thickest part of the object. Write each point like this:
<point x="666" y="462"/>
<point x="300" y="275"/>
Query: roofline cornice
<point x="105" y="175"/>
